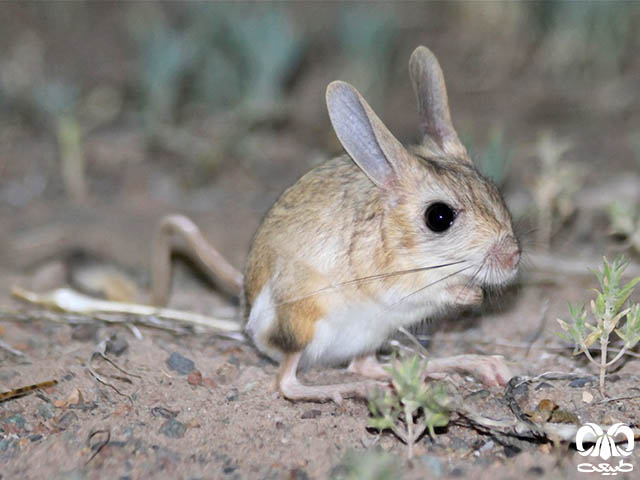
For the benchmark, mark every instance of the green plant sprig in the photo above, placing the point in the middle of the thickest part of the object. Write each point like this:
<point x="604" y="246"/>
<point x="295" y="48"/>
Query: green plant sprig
<point x="608" y="312"/>
<point x="410" y="406"/>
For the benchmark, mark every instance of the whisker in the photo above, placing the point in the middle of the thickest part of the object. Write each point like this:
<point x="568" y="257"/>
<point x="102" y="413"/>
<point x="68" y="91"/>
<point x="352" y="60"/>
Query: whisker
<point x="399" y="272"/>
<point x="472" y="278"/>
<point x="428" y="285"/>
<point x="379" y="276"/>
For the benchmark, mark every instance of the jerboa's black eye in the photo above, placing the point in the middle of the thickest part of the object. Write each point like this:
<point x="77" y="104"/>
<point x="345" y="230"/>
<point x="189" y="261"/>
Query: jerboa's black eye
<point x="439" y="217"/>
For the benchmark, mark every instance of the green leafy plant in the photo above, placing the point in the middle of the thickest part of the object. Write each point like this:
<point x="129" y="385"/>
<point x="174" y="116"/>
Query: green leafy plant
<point x="410" y="406"/>
<point x="554" y="186"/>
<point x="368" y="465"/>
<point x="610" y="316"/>
<point x="496" y="158"/>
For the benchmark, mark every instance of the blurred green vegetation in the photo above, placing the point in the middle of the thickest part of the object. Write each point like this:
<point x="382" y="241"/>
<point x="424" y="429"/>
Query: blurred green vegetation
<point x="587" y="36"/>
<point x="494" y="158"/>
<point x="169" y="68"/>
<point x="226" y="55"/>
<point x="368" y="465"/>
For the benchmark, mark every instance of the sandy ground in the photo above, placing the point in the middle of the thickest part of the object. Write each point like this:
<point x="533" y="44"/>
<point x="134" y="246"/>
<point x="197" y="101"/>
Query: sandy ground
<point x="221" y="417"/>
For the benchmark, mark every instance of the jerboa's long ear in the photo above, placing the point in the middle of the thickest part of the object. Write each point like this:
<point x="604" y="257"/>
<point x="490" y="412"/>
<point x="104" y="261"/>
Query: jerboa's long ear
<point x="363" y="135"/>
<point x="433" y="105"/>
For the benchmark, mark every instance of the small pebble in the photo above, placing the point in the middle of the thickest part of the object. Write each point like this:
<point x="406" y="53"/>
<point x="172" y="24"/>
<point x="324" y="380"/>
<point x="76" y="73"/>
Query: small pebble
<point x="35" y="437"/>
<point x="313" y="413"/>
<point x="195" y="378"/>
<point x="536" y="471"/>
<point x="173" y="428"/>
<point x="66" y="420"/>
<point x="5" y="444"/>
<point x="209" y="382"/>
<point x="116" y="345"/>
<point x="511" y="451"/>
<point x="181" y="364"/>
<point x="521" y="389"/>
<point x="17" y="419"/>
<point x="7" y="375"/>
<point x="232" y="395"/>
<point x="85" y="332"/>
<point x="46" y="411"/>
<point x="163" y="412"/>
<point x="581" y="382"/>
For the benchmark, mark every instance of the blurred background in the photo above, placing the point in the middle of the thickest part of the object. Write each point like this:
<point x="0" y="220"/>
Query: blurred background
<point x="114" y="114"/>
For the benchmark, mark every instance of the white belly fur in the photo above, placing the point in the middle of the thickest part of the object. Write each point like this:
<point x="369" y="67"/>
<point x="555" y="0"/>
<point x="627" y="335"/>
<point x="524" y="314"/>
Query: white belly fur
<point x="348" y="331"/>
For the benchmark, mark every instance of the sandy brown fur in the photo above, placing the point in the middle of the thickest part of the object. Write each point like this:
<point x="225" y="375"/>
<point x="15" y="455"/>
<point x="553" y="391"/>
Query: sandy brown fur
<point x="362" y="215"/>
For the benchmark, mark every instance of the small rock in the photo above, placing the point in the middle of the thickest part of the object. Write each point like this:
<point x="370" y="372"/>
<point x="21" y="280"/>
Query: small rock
<point x="248" y="387"/>
<point x="87" y="332"/>
<point x="543" y="385"/>
<point x="181" y="364"/>
<point x="66" y="420"/>
<point x="46" y="411"/>
<point x="229" y="469"/>
<point x="7" y="375"/>
<point x="297" y="474"/>
<point x="511" y="451"/>
<point x="35" y="437"/>
<point x="6" y="443"/>
<point x="232" y="395"/>
<point x="521" y="389"/>
<point x="313" y="413"/>
<point x="173" y="428"/>
<point x="74" y="398"/>
<point x="209" y="382"/>
<point x="163" y="412"/>
<point x="17" y="420"/>
<point x="536" y="471"/>
<point x="116" y="345"/>
<point x="581" y="382"/>
<point x="195" y="378"/>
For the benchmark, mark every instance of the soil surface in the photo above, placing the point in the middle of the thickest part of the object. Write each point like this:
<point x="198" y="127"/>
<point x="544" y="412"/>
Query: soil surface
<point x="184" y="405"/>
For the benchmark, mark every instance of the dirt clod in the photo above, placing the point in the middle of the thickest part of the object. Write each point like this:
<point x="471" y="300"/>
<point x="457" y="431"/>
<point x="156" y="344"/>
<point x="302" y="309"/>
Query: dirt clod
<point x="173" y="428"/>
<point x="117" y="345"/>
<point x="313" y="413"/>
<point x="163" y="412"/>
<point x="195" y="378"/>
<point x="179" y="363"/>
<point x="581" y="382"/>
